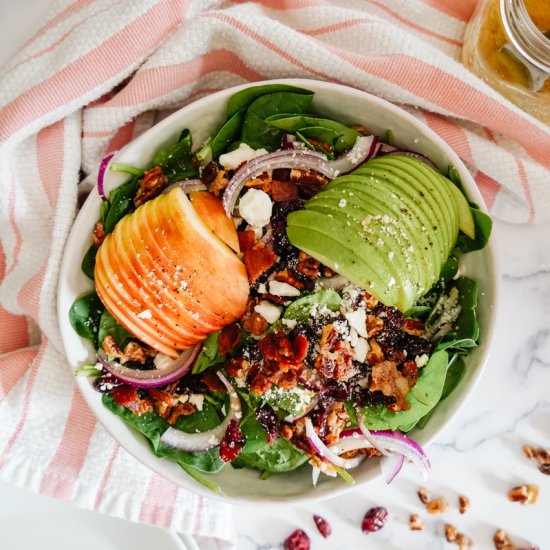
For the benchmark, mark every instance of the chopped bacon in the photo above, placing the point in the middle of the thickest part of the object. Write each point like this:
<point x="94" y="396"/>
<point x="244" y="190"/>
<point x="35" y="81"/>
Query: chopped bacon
<point x="285" y="276"/>
<point x="258" y="260"/>
<point x="212" y="382"/>
<point x="284" y="191"/>
<point x="386" y="378"/>
<point x="374" y="325"/>
<point x="230" y="336"/>
<point x="128" y="397"/>
<point x="237" y="367"/>
<point x="252" y="321"/>
<point x="413" y="327"/>
<point x="309" y="182"/>
<point x="246" y="240"/>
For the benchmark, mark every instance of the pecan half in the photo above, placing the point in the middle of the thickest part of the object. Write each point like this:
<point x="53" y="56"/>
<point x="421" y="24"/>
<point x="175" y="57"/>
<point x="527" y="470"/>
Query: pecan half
<point x="151" y="184"/>
<point x="386" y="378"/>
<point x="524" y="494"/>
<point x="415" y="523"/>
<point x="99" y="234"/>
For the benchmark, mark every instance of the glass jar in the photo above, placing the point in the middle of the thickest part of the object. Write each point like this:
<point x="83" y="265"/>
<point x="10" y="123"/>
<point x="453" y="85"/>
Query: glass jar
<point x="507" y="43"/>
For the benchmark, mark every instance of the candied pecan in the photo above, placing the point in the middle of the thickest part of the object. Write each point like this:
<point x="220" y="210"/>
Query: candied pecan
<point x="285" y="276"/>
<point x="464" y="542"/>
<point x="260" y="384"/>
<point x="437" y="506"/>
<point x="181" y="409"/>
<point x="450" y="532"/>
<point x="252" y="321"/>
<point x="386" y="378"/>
<point x="541" y="455"/>
<point x="423" y="495"/>
<point x="230" y="336"/>
<point x="374" y="325"/>
<point x="307" y="265"/>
<point x="524" y="494"/>
<point x="110" y="347"/>
<point x="335" y="357"/>
<point x="337" y="417"/>
<point x="410" y="371"/>
<point x="151" y="184"/>
<point x="163" y="401"/>
<point x="129" y="398"/>
<point x="277" y="347"/>
<point x="258" y="260"/>
<point x="360" y="129"/>
<point x="375" y="354"/>
<point x="99" y="234"/>
<point x="237" y="367"/>
<point x="246" y="239"/>
<point x="219" y="183"/>
<point x="502" y="541"/>
<point x="370" y="300"/>
<point x="262" y="182"/>
<point x="309" y="183"/>
<point x="134" y="352"/>
<point x="285" y="380"/>
<point x="463" y="504"/>
<point x="413" y="327"/>
<point x="415" y="523"/>
<point x="286" y="431"/>
<point x="283" y="191"/>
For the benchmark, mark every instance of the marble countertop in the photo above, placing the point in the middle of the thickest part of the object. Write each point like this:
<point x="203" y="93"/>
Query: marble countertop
<point x="480" y="454"/>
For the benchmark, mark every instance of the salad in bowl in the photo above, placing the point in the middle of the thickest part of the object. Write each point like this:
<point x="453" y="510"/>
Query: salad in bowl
<point x="279" y="289"/>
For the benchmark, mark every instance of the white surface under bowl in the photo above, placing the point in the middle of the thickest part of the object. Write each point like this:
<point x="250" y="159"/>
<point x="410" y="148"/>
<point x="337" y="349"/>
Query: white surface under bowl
<point x="203" y="119"/>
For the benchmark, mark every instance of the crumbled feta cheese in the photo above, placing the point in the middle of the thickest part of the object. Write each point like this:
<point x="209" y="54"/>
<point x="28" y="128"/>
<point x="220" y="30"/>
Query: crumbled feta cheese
<point x="360" y="350"/>
<point x="278" y="288"/>
<point x="262" y="289"/>
<point x="421" y="360"/>
<point x="268" y="311"/>
<point x="342" y="203"/>
<point x="290" y="323"/>
<point x="145" y="314"/>
<point x="162" y="361"/>
<point x="255" y="207"/>
<point x="197" y="399"/>
<point x="358" y="320"/>
<point x="353" y="337"/>
<point x="244" y="153"/>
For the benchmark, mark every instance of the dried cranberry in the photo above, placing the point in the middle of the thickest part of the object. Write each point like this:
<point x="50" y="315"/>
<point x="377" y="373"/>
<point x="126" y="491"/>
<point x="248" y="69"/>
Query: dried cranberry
<point x="232" y="443"/>
<point x="323" y="525"/>
<point x="269" y="422"/>
<point x="297" y="541"/>
<point x="374" y="519"/>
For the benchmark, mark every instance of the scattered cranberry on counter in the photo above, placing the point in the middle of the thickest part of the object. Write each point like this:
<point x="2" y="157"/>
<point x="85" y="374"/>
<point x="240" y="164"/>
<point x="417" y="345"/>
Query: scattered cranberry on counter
<point x="374" y="519"/>
<point x="323" y="525"/>
<point x="297" y="540"/>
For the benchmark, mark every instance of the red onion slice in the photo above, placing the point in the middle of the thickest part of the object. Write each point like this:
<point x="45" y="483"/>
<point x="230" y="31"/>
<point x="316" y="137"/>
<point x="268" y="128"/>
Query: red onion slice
<point x="293" y="158"/>
<point x="368" y="436"/>
<point x="101" y="174"/>
<point x="186" y="186"/>
<point x="315" y="472"/>
<point x="202" y="441"/>
<point x="153" y="378"/>
<point x="385" y="148"/>
<point x="391" y="465"/>
<point x="363" y="149"/>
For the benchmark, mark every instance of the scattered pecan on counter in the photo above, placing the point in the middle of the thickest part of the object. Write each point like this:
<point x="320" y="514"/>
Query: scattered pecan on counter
<point x="541" y="455"/>
<point x="524" y="494"/>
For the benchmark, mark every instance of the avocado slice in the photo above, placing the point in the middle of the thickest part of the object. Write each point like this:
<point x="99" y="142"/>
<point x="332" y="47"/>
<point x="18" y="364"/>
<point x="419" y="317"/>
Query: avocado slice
<point x="466" y="222"/>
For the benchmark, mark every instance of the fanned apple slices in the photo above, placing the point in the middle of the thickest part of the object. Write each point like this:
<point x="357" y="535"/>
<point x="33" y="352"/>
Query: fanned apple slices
<point x="167" y="278"/>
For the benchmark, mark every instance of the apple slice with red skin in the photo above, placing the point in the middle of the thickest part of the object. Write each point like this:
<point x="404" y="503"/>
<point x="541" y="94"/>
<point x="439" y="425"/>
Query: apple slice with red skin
<point x="211" y="210"/>
<point x="166" y="278"/>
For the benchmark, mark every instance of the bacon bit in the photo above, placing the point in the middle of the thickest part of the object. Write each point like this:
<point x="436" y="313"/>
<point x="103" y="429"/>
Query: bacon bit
<point x="300" y="346"/>
<point x="337" y="418"/>
<point x="128" y="397"/>
<point x="410" y="371"/>
<point x="212" y="382"/>
<point x="151" y="184"/>
<point x="284" y="191"/>
<point x="99" y="234"/>
<point x="260" y="384"/>
<point x="285" y="380"/>
<point x="386" y="378"/>
<point x="258" y="260"/>
<point x="246" y="240"/>
<point x="252" y="321"/>
<point x="237" y="367"/>
<point x="219" y="183"/>
<point x="285" y="276"/>
<point x="277" y="347"/>
<point x="309" y="182"/>
<point x="413" y="327"/>
<point x="230" y="336"/>
<point x="307" y="265"/>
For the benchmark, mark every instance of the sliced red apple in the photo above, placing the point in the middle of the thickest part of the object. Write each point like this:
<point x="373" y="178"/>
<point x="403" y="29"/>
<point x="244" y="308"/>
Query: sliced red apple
<point x="166" y="278"/>
<point x="211" y="210"/>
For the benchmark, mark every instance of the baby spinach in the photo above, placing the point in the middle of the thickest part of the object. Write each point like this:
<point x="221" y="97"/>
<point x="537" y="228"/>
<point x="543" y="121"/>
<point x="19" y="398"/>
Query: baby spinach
<point x="88" y="369"/>
<point x="241" y="100"/>
<point x="422" y="398"/>
<point x="84" y="316"/>
<point x="302" y="308"/>
<point x="209" y="355"/>
<point x="108" y="326"/>
<point x="257" y="453"/>
<point x="228" y="133"/>
<point x="176" y="160"/>
<point x="483" y="226"/>
<point x="121" y="203"/>
<point x="88" y="262"/>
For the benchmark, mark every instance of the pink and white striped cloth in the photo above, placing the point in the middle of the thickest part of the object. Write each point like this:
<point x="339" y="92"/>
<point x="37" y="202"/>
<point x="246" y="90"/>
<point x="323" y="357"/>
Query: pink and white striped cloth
<point x="98" y="73"/>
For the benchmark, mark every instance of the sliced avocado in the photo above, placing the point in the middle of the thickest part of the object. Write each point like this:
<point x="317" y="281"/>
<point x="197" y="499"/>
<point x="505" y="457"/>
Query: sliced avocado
<point x="466" y="222"/>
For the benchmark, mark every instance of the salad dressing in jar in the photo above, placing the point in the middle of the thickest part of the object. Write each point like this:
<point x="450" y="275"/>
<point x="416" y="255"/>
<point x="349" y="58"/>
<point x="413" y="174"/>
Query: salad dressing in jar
<point x="507" y="44"/>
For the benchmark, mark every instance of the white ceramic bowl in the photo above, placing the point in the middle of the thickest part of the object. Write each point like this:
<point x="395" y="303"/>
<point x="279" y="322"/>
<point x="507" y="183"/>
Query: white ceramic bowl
<point x="203" y="118"/>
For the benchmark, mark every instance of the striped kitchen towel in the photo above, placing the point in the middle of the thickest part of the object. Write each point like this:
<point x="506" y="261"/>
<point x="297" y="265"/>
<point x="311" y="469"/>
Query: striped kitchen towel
<point x="99" y="72"/>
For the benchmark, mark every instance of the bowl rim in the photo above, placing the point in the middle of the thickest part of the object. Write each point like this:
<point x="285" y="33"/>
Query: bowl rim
<point x="156" y="464"/>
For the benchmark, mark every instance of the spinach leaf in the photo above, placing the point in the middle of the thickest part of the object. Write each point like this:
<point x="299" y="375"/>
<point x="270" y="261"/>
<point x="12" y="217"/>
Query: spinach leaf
<point x="303" y="308"/>
<point x="88" y="262"/>
<point x="450" y="269"/>
<point x="257" y="453"/>
<point x="209" y="355"/>
<point x="341" y="137"/>
<point x="293" y="401"/>
<point x="85" y="314"/>
<point x="228" y="133"/>
<point x="390" y="139"/>
<point x="104" y="210"/>
<point x="122" y="203"/>
<point x="256" y="131"/>
<point x="176" y="160"/>
<point x="108" y="326"/>
<point x="422" y="398"/>
<point x="152" y="426"/>
<point x="483" y="225"/>
<point x="89" y="369"/>
<point x="241" y="100"/>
